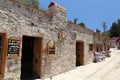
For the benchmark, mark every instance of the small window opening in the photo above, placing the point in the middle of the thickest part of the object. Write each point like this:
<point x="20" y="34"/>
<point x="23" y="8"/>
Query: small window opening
<point x="91" y="47"/>
<point x="32" y="24"/>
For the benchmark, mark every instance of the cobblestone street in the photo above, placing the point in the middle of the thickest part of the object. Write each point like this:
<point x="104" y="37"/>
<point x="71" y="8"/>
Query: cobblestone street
<point x="105" y="70"/>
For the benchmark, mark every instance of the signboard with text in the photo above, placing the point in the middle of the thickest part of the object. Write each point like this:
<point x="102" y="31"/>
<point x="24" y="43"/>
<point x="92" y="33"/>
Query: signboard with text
<point x="13" y="47"/>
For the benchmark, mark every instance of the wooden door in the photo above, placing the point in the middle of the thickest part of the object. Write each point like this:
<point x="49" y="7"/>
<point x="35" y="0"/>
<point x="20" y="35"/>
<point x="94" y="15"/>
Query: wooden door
<point x="37" y="57"/>
<point x="1" y="46"/>
<point x="3" y="51"/>
<point x="79" y="53"/>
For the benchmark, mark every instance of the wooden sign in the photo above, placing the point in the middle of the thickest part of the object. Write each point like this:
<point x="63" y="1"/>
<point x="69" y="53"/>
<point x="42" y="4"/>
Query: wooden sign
<point x="61" y="36"/>
<point x="51" y="48"/>
<point x="13" y="47"/>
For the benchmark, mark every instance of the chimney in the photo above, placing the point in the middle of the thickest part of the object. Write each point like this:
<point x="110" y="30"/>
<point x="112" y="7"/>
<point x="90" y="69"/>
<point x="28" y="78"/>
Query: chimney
<point x="55" y="9"/>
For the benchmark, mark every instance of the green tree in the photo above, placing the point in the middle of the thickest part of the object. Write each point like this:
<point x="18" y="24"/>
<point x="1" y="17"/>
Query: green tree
<point x="118" y="24"/>
<point x="75" y="20"/>
<point x="33" y="3"/>
<point x="97" y="30"/>
<point x="114" y="30"/>
<point x="82" y="24"/>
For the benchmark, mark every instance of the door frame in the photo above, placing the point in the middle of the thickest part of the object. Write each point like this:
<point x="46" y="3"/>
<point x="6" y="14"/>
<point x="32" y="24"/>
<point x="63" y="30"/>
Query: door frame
<point x="4" y="54"/>
<point x="37" y="37"/>
<point x="82" y="55"/>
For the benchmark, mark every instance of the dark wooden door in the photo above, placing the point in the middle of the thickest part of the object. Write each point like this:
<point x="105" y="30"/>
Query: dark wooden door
<point x="3" y="53"/>
<point x="79" y="53"/>
<point x="1" y="46"/>
<point x="31" y="58"/>
<point x="37" y="57"/>
<point x="27" y="58"/>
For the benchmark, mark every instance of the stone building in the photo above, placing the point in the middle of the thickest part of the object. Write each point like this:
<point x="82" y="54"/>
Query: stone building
<point x="34" y="43"/>
<point x="113" y="42"/>
<point x="40" y="44"/>
<point x="98" y="41"/>
<point x="101" y="42"/>
<point x="101" y="47"/>
<point x="84" y="43"/>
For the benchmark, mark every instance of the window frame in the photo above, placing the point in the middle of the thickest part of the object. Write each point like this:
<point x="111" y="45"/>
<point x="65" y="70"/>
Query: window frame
<point x="15" y="39"/>
<point x="91" y="47"/>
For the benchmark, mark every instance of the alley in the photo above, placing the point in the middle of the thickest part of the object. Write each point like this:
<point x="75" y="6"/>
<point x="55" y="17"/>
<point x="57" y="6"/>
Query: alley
<point x="105" y="70"/>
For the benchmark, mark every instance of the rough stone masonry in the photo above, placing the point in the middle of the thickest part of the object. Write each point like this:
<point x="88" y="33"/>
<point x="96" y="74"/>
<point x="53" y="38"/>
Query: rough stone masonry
<point x="18" y="20"/>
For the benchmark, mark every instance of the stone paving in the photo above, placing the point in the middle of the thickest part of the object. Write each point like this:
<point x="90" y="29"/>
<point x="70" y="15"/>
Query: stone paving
<point x="105" y="70"/>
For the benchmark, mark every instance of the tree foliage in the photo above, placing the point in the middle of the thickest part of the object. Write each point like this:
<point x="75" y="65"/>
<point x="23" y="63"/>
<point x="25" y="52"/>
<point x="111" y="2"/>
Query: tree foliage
<point x="115" y="29"/>
<point x="33" y="3"/>
<point x="82" y="24"/>
<point x="75" y="20"/>
<point x="97" y="30"/>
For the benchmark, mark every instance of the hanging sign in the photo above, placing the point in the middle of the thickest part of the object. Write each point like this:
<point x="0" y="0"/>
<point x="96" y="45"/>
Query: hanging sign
<point x="13" y="47"/>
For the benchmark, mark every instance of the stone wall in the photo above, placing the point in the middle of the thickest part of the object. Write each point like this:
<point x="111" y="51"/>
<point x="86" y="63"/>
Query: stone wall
<point x="85" y="35"/>
<point x="98" y="38"/>
<point x="17" y="20"/>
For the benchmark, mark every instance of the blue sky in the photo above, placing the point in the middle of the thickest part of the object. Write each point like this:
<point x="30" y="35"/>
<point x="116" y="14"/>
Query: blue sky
<point x="90" y="12"/>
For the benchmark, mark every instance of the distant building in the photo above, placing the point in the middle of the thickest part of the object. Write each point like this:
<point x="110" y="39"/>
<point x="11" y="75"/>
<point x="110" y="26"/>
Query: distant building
<point x="114" y="42"/>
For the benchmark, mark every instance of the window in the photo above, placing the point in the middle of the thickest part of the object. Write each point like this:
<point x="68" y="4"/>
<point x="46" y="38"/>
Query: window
<point x="91" y="47"/>
<point x="13" y="47"/>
